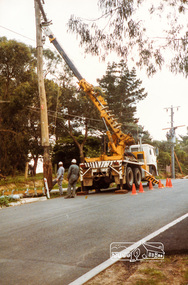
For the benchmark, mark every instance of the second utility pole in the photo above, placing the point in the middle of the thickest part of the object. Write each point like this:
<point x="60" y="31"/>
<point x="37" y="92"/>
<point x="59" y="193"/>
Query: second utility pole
<point x="172" y="142"/>
<point x="47" y="166"/>
<point x="172" y="139"/>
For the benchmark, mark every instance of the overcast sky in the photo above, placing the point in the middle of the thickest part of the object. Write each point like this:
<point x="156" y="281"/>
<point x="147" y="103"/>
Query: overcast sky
<point x="17" y="21"/>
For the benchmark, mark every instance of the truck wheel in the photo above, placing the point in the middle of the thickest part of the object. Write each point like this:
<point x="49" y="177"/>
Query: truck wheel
<point x="129" y="178"/>
<point x="137" y="177"/>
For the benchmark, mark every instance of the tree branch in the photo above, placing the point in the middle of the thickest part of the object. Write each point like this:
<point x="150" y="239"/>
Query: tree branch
<point x="9" y="131"/>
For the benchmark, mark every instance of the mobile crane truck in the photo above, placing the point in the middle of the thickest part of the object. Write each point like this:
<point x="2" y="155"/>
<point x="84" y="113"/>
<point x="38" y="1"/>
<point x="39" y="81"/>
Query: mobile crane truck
<point x="127" y="163"/>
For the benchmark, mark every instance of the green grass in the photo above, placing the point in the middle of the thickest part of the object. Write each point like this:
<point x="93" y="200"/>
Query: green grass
<point x="147" y="281"/>
<point x="153" y="277"/>
<point x="20" y="179"/>
<point x="185" y="260"/>
<point x="64" y="185"/>
<point x="19" y="183"/>
<point x="151" y="272"/>
<point x="4" y="201"/>
<point x="186" y="275"/>
<point x="56" y="195"/>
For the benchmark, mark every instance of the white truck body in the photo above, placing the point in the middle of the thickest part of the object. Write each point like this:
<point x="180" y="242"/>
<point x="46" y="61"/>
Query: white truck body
<point x="150" y="156"/>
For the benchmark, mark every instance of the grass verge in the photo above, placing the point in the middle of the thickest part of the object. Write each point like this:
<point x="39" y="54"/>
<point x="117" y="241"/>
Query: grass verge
<point x="171" y="270"/>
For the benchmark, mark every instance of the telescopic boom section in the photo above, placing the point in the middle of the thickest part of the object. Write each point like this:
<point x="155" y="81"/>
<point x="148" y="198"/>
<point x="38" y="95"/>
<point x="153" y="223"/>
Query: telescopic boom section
<point x="117" y="140"/>
<point x="53" y="40"/>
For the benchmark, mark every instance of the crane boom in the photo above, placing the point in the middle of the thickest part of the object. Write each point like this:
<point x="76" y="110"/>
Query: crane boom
<point x="117" y="139"/>
<point x="123" y="168"/>
<point x="53" y="40"/>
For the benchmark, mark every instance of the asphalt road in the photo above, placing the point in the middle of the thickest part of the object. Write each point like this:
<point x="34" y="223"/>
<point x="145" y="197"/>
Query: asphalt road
<point x="58" y="240"/>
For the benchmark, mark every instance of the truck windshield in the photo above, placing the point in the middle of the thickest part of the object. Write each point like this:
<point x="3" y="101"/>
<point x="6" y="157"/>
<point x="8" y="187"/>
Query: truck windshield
<point x="134" y="149"/>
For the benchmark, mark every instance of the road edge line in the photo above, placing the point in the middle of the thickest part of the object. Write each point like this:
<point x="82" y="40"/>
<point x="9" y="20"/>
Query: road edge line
<point x="99" y="268"/>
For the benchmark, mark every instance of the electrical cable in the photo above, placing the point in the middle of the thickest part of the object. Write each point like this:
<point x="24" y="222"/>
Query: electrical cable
<point x="17" y="33"/>
<point x="161" y="38"/>
<point x="37" y="110"/>
<point x="69" y="115"/>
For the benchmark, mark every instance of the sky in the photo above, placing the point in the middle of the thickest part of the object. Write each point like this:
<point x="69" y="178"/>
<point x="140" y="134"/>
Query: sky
<point x="17" y="21"/>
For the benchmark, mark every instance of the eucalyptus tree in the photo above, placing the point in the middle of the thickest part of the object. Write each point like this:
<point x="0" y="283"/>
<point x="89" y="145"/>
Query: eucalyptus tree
<point x="149" y="33"/>
<point x="20" y="108"/>
<point x="76" y="114"/>
<point x="16" y="72"/>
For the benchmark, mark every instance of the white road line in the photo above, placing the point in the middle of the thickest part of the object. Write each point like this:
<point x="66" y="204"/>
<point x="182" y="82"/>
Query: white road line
<point x="93" y="272"/>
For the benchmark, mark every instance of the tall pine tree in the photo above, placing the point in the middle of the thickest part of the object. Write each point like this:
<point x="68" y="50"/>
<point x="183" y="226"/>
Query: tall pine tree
<point x="123" y="91"/>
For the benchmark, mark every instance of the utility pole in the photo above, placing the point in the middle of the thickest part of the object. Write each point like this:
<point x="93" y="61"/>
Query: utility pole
<point x="172" y="138"/>
<point x="47" y="166"/>
<point x="173" y="141"/>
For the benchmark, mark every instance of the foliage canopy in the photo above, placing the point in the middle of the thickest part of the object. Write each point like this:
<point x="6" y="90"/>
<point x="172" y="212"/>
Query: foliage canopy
<point x="72" y="118"/>
<point x="149" y="33"/>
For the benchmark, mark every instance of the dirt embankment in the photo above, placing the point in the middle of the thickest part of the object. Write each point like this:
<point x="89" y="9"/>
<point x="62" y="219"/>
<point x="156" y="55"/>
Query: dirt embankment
<point x="173" y="270"/>
<point x="21" y="185"/>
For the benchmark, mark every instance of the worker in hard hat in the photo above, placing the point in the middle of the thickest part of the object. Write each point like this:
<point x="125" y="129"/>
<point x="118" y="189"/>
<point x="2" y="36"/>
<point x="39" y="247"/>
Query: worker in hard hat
<point x="60" y="175"/>
<point x="73" y="175"/>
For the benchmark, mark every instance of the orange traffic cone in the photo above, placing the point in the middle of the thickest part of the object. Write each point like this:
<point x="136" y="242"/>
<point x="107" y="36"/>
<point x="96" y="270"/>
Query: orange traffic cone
<point x="167" y="182"/>
<point x="170" y="183"/>
<point x="150" y="185"/>
<point x="141" y="189"/>
<point x="160" y="184"/>
<point x="134" y="190"/>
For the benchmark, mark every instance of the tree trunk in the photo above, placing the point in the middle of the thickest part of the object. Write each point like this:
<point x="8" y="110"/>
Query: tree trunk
<point x="47" y="167"/>
<point x="14" y="170"/>
<point x="81" y="148"/>
<point x="26" y="169"/>
<point x="35" y="165"/>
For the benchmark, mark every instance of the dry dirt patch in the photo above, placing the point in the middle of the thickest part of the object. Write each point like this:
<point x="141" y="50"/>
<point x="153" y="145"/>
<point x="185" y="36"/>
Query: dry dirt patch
<point x="173" y="270"/>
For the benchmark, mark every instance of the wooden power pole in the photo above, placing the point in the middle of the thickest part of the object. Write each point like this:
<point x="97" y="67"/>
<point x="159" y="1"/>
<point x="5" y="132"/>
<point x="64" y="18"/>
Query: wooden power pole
<point x="47" y="166"/>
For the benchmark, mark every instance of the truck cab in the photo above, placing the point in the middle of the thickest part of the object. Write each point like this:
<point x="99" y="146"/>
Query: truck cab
<point x="147" y="154"/>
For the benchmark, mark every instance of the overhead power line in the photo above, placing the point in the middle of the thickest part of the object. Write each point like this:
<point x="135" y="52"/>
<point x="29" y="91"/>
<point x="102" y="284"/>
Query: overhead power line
<point x="64" y="115"/>
<point x="60" y="118"/>
<point x="17" y="33"/>
<point x="159" y="38"/>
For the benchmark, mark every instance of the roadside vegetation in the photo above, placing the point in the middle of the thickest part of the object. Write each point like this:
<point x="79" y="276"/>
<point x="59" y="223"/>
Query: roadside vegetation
<point x="4" y="201"/>
<point x="171" y="270"/>
<point x="19" y="185"/>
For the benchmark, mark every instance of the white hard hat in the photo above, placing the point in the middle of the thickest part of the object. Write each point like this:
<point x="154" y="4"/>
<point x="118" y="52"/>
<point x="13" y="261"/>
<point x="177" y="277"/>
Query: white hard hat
<point x="60" y="163"/>
<point x="73" y="160"/>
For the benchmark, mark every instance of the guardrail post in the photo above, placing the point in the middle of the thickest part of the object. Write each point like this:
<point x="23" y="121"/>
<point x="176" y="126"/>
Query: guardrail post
<point x="47" y="189"/>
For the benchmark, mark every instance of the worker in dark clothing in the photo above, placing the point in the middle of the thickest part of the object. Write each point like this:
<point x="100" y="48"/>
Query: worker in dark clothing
<point x="73" y="175"/>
